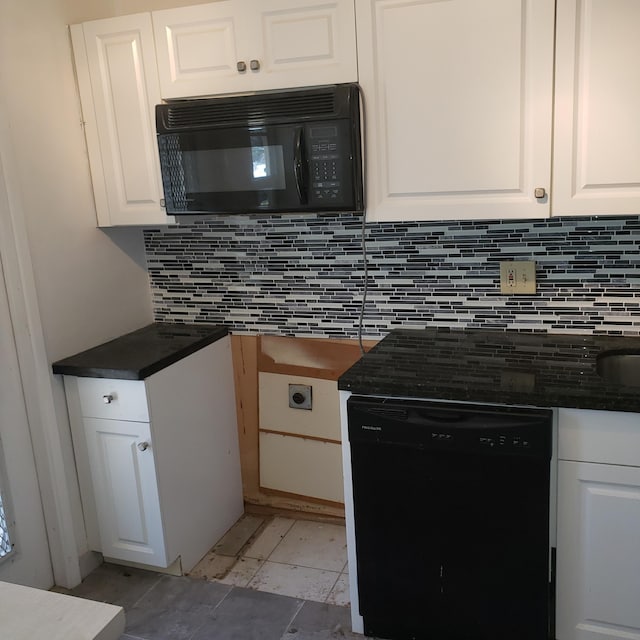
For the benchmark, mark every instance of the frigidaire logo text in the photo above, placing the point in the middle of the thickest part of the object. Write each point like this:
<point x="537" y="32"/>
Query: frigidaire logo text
<point x="370" y="428"/>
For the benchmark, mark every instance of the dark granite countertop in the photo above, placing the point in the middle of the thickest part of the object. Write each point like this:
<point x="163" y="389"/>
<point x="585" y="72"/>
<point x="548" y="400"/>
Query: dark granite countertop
<point x="139" y="354"/>
<point x="542" y="370"/>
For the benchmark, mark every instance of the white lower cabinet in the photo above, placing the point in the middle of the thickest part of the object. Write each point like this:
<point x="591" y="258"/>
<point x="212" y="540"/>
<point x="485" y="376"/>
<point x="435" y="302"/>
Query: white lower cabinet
<point x="126" y="490"/>
<point x="598" y="553"/>
<point x="158" y="459"/>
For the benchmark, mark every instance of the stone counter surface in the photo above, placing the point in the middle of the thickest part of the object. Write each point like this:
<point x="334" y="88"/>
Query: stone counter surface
<point x="533" y="369"/>
<point x="141" y="353"/>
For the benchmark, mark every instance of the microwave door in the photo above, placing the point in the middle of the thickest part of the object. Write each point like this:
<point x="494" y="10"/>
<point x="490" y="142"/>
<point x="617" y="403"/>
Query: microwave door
<point x="239" y="170"/>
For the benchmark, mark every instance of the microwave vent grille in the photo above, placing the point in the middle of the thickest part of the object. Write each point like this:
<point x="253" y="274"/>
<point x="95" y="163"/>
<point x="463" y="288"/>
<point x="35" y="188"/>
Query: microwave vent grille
<point x="249" y="109"/>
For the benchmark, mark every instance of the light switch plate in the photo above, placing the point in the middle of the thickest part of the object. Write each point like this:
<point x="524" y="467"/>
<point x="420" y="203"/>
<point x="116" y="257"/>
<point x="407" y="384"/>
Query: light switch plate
<point x="518" y="277"/>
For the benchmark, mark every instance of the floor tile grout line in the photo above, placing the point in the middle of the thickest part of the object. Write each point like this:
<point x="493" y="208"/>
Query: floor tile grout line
<point x="303" y="566"/>
<point x="286" y="533"/>
<point x="212" y="617"/>
<point x="295" y="615"/>
<point x="332" y="588"/>
<point x="153" y="586"/>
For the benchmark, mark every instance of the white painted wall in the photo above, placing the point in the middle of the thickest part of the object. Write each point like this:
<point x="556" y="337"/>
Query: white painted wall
<point x="80" y="285"/>
<point x="91" y="284"/>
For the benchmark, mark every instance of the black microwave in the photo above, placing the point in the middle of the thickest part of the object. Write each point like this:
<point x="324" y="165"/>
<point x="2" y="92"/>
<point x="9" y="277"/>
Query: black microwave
<point x="286" y="151"/>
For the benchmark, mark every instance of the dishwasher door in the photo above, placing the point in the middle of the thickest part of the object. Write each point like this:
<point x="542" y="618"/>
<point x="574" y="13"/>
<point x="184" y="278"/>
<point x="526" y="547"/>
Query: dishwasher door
<point x="451" y="506"/>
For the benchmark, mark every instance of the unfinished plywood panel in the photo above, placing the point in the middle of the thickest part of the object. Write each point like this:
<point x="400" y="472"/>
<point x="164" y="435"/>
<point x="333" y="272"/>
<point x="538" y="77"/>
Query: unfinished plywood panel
<point x="322" y="421"/>
<point x="313" y="357"/>
<point x="318" y="359"/>
<point x="244" y="351"/>
<point x="301" y="466"/>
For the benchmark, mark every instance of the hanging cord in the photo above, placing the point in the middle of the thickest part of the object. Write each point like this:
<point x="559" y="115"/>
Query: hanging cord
<point x="365" y="261"/>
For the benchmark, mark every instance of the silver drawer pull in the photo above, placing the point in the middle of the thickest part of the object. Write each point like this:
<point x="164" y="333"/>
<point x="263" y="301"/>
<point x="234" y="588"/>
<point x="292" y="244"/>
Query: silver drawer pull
<point x="108" y="399"/>
<point x="143" y="446"/>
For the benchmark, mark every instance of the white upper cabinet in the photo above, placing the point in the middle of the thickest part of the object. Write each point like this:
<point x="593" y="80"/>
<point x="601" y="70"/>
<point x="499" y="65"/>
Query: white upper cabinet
<point x="118" y="82"/>
<point x="459" y="107"/>
<point x="597" y="116"/>
<point x="234" y="46"/>
<point x="198" y="49"/>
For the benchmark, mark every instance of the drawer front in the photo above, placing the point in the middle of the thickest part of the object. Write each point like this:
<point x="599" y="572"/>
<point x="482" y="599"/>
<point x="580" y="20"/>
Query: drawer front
<point x="113" y="399"/>
<point x="608" y="437"/>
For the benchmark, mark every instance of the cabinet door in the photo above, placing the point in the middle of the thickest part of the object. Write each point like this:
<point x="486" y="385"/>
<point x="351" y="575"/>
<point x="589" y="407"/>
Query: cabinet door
<point x="597" y="128"/>
<point x="126" y="491"/>
<point x="459" y="102"/>
<point x="117" y="76"/>
<point x="198" y="50"/>
<point x="304" y="43"/>
<point x="598" y="564"/>
<point x="281" y="43"/>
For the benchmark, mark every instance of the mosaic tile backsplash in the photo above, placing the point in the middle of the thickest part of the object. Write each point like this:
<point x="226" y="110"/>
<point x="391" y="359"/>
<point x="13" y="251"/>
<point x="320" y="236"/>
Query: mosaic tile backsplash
<point x="303" y="274"/>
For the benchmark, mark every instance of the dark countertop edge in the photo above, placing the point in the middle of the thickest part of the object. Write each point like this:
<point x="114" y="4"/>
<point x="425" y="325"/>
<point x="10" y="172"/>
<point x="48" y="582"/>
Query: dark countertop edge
<point x="551" y="398"/>
<point x="218" y="333"/>
<point x="513" y="398"/>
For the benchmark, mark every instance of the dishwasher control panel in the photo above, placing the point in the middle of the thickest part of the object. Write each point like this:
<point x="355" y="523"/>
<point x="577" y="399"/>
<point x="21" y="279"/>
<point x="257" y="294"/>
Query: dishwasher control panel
<point x="446" y="426"/>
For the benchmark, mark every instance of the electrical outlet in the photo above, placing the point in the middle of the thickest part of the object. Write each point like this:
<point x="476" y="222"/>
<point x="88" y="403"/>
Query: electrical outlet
<point x="518" y="277"/>
<point x="300" y="396"/>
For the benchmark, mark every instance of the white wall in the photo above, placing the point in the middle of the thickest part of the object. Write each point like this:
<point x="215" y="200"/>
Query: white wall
<point x="92" y="285"/>
<point x="84" y="285"/>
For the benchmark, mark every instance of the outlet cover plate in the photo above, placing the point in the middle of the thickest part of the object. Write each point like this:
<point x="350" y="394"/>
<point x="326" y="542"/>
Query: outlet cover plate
<point x="518" y="277"/>
<point x="300" y="396"/>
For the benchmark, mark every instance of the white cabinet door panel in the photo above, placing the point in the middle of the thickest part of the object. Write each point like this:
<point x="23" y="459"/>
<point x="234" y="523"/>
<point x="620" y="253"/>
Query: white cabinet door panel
<point x="124" y="89"/>
<point x="598" y="569"/>
<point x="459" y="106"/>
<point x="197" y="50"/>
<point x="308" y="43"/>
<point x="125" y="485"/>
<point x="292" y="43"/>
<point x="597" y="129"/>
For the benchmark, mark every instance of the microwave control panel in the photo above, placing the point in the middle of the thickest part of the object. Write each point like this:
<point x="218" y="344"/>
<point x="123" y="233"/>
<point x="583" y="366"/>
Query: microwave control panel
<point x="330" y="180"/>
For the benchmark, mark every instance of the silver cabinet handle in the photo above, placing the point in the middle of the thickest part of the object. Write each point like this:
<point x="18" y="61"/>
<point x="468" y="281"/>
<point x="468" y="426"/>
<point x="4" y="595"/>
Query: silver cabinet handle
<point x="241" y="66"/>
<point x="540" y="193"/>
<point x="107" y="399"/>
<point x="254" y="65"/>
<point x="143" y="446"/>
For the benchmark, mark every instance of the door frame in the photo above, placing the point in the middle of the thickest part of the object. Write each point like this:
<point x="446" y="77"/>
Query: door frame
<point x="35" y="371"/>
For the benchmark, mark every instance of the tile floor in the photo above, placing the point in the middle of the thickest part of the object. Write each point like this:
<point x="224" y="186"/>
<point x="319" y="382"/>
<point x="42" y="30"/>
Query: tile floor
<point x="297" y="558"/>
<point x="163" y="607"/>
<point x="269" y="578"/>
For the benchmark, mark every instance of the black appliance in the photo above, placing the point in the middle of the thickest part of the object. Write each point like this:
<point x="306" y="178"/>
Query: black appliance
<point x="451" y="506"/>
<point x="274" y="152"/>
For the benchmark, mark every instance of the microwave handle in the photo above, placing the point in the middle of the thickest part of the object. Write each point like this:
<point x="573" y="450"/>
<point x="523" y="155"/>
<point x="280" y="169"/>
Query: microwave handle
<point x="299" y="162"/>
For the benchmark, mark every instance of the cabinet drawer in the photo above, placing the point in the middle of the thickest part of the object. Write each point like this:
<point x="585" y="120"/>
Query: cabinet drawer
<point x="607" y="437"/>
<point x="113" y="399"/>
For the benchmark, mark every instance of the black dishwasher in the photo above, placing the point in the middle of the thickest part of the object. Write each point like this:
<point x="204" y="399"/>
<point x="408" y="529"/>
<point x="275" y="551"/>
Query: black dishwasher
<point x="451" y="506"/>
